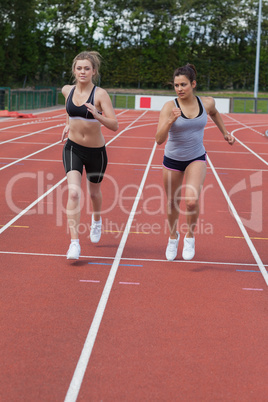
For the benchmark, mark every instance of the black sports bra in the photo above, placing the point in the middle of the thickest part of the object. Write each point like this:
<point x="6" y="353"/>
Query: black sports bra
<point x="200" y="108"/>
<point x="80" y="112"/>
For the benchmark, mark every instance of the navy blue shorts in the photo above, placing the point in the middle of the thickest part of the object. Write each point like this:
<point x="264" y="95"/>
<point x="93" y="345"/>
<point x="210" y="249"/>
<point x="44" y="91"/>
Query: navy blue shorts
<point x="75" y="157"/>
<point x="172" y="164"/>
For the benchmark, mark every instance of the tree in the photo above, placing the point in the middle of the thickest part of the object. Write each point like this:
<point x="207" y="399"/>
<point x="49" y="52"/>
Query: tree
<point x="141" y="41"/>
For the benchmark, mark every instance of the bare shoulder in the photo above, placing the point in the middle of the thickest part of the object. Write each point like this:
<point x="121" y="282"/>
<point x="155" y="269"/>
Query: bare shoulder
<point x="66" y="90"/>
<point x="103" y="102"/>
<point x="101" y="90"/>
<point x="208" y="102"/>
<point x="168" y="107"/>
<point x="100" y="93"/>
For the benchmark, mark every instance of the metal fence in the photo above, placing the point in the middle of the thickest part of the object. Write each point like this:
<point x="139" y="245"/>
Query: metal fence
<point x="20" y="99"/>
<point x="248" y="105"/>
<point x="237" y="105"/>
<point x="4" y="91"/>
<point x="119" y="101"/>
<point x="123" y="101"/>
<point x="26" y="100"/>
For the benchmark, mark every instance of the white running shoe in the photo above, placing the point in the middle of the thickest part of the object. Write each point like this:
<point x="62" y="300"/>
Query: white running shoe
<point x="74" y="251"/>
<point x="95" y="232"/>
<point x="172" y="248"/>
<point x="188" y="248"/>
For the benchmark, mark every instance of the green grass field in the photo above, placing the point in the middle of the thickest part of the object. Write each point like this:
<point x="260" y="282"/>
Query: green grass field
<point x="247" y="106"/>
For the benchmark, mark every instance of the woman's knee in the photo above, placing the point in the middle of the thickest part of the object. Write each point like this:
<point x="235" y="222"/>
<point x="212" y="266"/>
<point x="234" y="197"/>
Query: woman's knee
<point x="173" y="204"/>
<point x="95" y="195"/>
<point x="74" y="195"/>
<point x="192" y="204"/>
<point x="94" y="191"/>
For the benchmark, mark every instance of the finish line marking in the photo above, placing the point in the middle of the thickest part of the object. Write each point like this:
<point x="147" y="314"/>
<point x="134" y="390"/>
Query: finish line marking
<point x="240" y="264"/>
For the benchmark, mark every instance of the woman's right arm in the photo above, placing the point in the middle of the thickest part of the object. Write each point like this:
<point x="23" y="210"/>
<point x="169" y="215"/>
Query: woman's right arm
<point x="65" y="91"/>
<point x="167" y="117"/>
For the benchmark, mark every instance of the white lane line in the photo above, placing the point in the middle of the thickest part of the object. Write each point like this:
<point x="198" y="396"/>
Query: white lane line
<point x="28" y="123"/>
<point x="30" y="206"/>
<point x="17" y="125"/>
<point x="28" y="156"/>
<point x="78" y="376"/>
<point x="58" y="142"/>
<point x="124" y="147"/>
<point x="245" y="125"/>
<point x="57" y="184"/>
<point x="110" y="163"/>
<point x="127" y="128"/>
<point x="32" y="143"/>
<point x="249" y="149"/>
<point x="233" y="152"/>
<point x="28" y="135"/>
<point x="91" y="257"/>
<point x="241" y="169"/>
<point x="41" y="150"/>
<point x="240" y="224"/>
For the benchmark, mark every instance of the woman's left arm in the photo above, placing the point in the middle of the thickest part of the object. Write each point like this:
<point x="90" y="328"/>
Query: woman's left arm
<point x="109" y="118"/>
<point x="209" y="104"/>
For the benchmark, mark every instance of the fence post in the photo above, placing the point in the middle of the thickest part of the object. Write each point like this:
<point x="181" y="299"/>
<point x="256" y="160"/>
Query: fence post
<point x="231" y="108"/>
<point x="2" y="99"/>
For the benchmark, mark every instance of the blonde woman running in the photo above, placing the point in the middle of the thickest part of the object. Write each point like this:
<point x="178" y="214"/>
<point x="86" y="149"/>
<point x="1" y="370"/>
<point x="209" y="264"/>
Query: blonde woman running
<point x="88" y="107"/>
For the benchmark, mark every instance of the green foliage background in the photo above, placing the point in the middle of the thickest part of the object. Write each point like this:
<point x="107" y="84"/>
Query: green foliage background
<point x="141" y="42"/>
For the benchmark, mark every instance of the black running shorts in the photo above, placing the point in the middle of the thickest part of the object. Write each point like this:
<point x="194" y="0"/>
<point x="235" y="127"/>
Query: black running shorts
<point x="172" y="164"/>
<point x="75" y="157"/>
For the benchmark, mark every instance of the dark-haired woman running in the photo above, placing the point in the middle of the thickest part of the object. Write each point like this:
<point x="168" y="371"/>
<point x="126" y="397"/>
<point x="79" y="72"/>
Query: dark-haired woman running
<point x="182" y="124"/>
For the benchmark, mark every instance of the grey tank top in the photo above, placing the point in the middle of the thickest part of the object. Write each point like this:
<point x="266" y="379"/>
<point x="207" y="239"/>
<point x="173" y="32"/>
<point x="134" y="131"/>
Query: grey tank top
<point x="185" y="137"/>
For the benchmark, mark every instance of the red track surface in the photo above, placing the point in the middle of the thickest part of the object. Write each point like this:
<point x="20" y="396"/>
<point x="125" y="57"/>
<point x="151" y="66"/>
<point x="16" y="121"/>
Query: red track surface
<point x="137" y="327"/>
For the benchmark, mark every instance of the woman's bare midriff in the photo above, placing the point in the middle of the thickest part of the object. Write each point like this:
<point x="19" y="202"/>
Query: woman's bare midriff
<point x="86" y="133"/>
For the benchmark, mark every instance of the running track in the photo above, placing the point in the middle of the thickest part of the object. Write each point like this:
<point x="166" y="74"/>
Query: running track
<point x="122" y="323"/>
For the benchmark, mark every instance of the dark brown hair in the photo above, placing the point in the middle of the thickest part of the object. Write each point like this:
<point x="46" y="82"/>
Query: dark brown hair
<point x="188" y="70"/>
